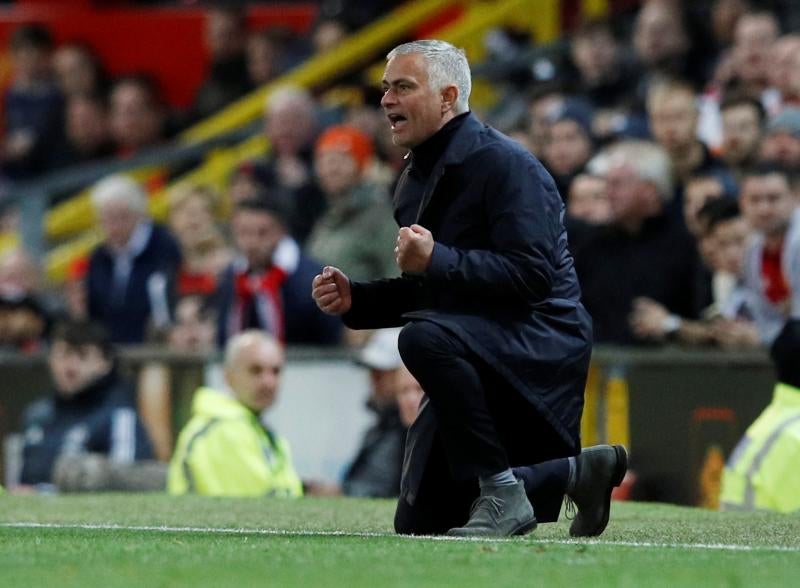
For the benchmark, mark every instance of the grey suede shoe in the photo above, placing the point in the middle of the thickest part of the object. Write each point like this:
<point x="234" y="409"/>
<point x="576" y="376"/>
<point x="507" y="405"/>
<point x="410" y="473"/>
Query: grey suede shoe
<point x="500" y="511"/>
<point x="599" y="470"/>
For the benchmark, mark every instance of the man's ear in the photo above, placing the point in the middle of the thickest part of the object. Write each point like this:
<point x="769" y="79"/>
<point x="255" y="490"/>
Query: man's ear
<point x="449" y="98"/>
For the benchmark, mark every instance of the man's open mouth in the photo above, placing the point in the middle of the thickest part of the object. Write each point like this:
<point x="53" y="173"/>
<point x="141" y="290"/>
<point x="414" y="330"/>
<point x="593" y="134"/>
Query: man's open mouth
<point x="396" y="120"/>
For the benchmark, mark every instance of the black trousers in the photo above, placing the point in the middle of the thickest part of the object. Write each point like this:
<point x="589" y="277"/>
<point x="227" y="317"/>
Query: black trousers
<point x="453" y="379"/>
<point x="481" y="427"/>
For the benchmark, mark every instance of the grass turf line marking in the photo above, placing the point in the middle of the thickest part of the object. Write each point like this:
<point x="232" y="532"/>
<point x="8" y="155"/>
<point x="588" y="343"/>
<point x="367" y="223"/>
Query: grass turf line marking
<point x="301" y="533"/>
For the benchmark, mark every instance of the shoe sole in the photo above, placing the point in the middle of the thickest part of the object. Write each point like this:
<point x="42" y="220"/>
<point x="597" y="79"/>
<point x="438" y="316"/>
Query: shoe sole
<point x="523" y="529"/>
<point x="616" y="479"/>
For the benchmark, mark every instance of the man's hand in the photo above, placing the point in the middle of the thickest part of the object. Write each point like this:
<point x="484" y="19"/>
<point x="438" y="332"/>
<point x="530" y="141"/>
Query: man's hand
<point x="331" y="291"/>
<point x="648" y="320"/>
<point x="414" y="249"/>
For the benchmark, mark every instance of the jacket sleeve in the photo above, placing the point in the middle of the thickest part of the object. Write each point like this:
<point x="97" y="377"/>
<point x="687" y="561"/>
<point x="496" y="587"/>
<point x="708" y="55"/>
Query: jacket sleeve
<point x="380" y="304"/>
<point x="523" y="211"/>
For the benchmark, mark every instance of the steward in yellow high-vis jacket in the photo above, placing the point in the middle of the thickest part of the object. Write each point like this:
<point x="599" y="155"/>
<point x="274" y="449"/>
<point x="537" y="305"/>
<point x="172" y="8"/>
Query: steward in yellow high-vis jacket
<point x="762" y="472"/>
<point x="224" y="450"/>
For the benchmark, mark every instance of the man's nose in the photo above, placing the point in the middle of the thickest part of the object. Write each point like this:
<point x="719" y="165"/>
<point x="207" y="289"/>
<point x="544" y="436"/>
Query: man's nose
<point x="388" y="97"/>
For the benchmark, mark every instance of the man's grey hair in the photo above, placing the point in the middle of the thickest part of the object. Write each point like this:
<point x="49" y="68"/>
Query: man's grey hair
<point x="447" y="66"/>
<point x="289" y="95"/>
<point x="245" y="339"/>
<point x="119" y="188"/>
<point x="648" y="160"/>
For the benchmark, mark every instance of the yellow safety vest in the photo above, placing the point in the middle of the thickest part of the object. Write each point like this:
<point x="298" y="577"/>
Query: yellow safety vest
<point x="762" y="473"/>
<point x="225" y="451"/>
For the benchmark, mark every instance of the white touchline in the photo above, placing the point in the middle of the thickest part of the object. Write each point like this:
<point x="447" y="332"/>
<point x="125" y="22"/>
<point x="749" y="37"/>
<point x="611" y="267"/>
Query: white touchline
<point x="307" y="533"/>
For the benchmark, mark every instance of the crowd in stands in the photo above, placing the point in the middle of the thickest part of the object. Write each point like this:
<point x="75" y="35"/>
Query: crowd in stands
<point x="673" y="135"/>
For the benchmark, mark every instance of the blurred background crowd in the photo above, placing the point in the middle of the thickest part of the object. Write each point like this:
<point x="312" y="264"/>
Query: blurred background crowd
<point x="672" y="130"/>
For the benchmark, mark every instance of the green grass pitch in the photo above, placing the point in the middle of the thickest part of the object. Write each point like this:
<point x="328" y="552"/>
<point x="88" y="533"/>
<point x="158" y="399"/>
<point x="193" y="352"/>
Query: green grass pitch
<point x="155" y="540"/>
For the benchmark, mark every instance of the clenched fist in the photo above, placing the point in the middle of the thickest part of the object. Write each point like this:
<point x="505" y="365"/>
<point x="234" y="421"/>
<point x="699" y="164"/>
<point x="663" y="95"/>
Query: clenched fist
<point x="331" y="291"/>
<point x="414" y="249"/>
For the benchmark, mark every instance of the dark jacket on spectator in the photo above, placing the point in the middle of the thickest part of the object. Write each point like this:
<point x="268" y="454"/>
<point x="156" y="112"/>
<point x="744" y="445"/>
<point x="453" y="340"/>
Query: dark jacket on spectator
<point x="614" y="267"/>
<point x="375" y="471"/>
<point x="101" y="418"/>
<point x="303" y="322"/>
<point x="126" y="313"/>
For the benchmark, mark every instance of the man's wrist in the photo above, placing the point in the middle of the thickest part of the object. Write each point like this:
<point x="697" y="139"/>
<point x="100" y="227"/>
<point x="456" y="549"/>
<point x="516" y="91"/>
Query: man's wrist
<point x="671" y="324"/>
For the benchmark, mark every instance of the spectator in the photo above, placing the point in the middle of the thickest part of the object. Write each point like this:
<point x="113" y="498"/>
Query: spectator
<point x="784" y="71"/>
<point x="225" y="449"/>
<point x="24" y="317"/>
<point x="673" y="114"/>
<point x="33" y="105"/>
<point x="605" y="76"/>
<point x="263" y="51"/>
<point x="661" y="41"/>
<point x="87" y="133"/>
<point x="643" y="251"/>
<point x="192" y="210"/>
<point x="92" y="409"/>
<point x="192" y="331"/>
<point x="587" y="200"/>
<point x="266" y="287"/>
<point x="727" y="322"/>
<point x="569" y="146"/>
<point x="130" y="272"/>
<point x="700" y="189"/>
<point x="772" y="259"/>
<point x="290" y="126"/>
<point x="76" y="303"/>
<point x="743" y="121"/>
<point x="137" y="115"/>
<point x="228" y="77"/>
<point x="79" y="71"/>
<point x="357" y="233"/>
<point x="376" y="469"/>
<point x="781" y="144"/>
<point x="733" y="308"/>
<point x="754" y="38"/>
<point x="761" y="473"/>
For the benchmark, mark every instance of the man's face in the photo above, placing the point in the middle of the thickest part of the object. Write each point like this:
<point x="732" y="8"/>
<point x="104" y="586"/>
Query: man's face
<point x="337" y="172"/>
<point x="626" y="195"/>
<point x="699" y="191"/>
<point x="588" y="200"/>
<point x="118" y="222"/>
<point x="73" y="368"/>
<point x="414" y="108"/>
<point x="781" y="147"/>
<point x="257" y="233"/>
<point x="134" y="119"/>
<point x="594" y="55"/>
<point x="730" y="241"/>
<point x="658" y="34"/>
<point x="568" y="148"/>
<point x="673" y="119"/>
<point x="254" y="375"/>
<point x="193" y="330"/>
<point x="741" y="133"/>
<point x="767" y="203"/>
<point x="753" y="40"/>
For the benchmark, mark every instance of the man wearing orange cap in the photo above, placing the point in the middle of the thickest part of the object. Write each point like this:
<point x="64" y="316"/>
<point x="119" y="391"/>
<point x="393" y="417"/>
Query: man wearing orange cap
<point x="357" y="232"/>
